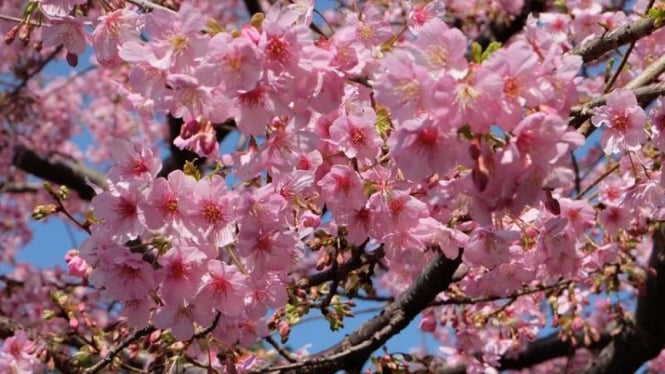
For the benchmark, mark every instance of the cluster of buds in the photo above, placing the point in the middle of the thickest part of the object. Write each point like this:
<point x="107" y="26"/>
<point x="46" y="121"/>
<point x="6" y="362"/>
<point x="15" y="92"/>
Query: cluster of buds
<point x="25" y="26"/>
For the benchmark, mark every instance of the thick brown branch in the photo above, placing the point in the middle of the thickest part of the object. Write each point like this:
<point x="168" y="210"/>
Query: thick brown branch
<point x="352" y="352"/>
<point x="581" y="113"/>
<point x="596" y="47"/>
<point x="643" y="340"/>
<point x="62" y="172"/>
<point x="547" y="348"/>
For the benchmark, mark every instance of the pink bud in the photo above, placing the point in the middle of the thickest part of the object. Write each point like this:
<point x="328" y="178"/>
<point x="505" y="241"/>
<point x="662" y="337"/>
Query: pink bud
<point x="428" y="323"/>
<point x="72" y="59"/>
<point x="10" y="36"/>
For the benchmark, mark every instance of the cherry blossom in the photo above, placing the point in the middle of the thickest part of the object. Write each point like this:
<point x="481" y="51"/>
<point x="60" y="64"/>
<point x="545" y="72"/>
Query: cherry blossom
<point x="236" y="174"/>
<point x="624" y="120"/>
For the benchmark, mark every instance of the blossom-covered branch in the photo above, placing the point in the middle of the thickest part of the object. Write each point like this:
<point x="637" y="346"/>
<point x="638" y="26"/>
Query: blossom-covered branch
<point x="612" y="39"/>
<point x="644" y="338"/>
<point x="351" y="353"/>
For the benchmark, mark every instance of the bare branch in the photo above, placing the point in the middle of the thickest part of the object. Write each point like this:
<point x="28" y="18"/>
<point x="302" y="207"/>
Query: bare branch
<point x="547" y="348"/>
<point x="74" y="176"/>
<point x="596" y="47"/>
<point x="253" y="6"/>
<point x="19" y="187"/>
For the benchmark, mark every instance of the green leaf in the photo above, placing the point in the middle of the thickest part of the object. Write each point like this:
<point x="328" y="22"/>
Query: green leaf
<point x="656" y="13"/>
<point x="292" y="315"/>
<point x="493" y="47"/>
<point x="476" y="52"/>
<point x="192" y="170"/>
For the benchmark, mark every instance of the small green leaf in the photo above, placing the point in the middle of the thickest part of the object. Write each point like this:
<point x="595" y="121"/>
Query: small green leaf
<point x="476" y="52"/>
<point x="493" y="47"/>
<point x="657" y="13"/>
<point x="192" y="170"/>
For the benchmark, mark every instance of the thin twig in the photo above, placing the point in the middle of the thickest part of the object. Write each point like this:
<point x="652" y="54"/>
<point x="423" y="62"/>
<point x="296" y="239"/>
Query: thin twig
<point x="280" y="349"/>
<point x="19" y="20"/>
<point x="576" y="168"/>
<point x="598" y="180"/>
<point x="96" y="368"/>
<point x="623" y="62"/>
<point x="40" y="67"/>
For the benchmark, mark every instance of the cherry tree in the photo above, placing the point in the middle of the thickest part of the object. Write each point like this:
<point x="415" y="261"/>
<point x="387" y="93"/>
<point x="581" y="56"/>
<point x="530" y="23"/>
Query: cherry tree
<point x="489" y="171"/>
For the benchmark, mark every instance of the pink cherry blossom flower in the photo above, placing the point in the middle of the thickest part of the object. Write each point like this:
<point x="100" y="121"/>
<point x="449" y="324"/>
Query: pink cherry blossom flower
<point x="236" y="61"/>
<point x="123" y="275"/>
<point x="623" y="120"/>
<point x="163" y="205"/>
<point x="580" y="214"/>
<point x="355" y="134"/>
<point x="342" y="189"/>
<point x="223" y="288"/>
<point x="182" y="270"/>
<point x="212" y="207"/>
<point x="357" y="222"/>
<point x="489" y="248"/>
<point x="403" y="86"/>
<point x="137" y="311"/>
<point x="523" y="81"/>
<point x="267" y="249"/>
<point x="422" y="147"/>
<point x="113" y="30"/>
<point x="612" y="190"/>
<point x="394" y="211"/>
<point x="133" y="162"/>
<point x="283" y="42"/>
<point x="257" y="106"/>
<point x="176" y="38"/>
<point x="557" y="246"/>
<point x="118" y="209"/>
<point x="266" y="291"/>
<point x="615" y="218"/>
<point x="199" y="137"/>
<point x="471" y="101"/>
<point x="76" y="266"/>
<point x="67" y="31"/>
<point x="545" y="138"/>
<point x="58" y="8"/>
<point x="19" y="354"/>
<point x="180" y="319"/>
<point x="440" y="47"/>
<point x="657" y="120"/>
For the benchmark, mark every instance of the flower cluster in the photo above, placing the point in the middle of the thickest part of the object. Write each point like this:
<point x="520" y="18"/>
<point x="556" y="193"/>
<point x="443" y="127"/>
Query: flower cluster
<point x="396" y="132"/>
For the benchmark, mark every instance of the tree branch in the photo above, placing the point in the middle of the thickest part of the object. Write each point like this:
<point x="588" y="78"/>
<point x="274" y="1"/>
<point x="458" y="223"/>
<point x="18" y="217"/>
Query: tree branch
<point x="253" y="6"/>
<point x="74" y="176"/>
<point x="96" y="368"/>
<point x="547" y="348"/>
<point x="642" y="340"/>
<point x="353" y="351"/>
<point x="581" y="113"/>
<point x="596" y="47"/>
<point x="356" y="262"/>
